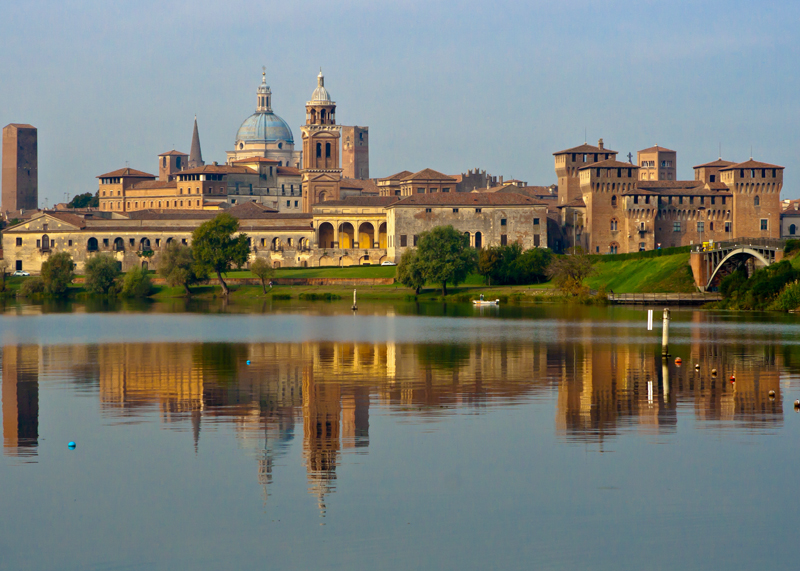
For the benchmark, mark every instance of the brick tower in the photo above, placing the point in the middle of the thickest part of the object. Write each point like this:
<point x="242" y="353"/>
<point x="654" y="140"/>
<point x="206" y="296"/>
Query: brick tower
<point x="20" y="168"/>
<point x="322" y="171"/>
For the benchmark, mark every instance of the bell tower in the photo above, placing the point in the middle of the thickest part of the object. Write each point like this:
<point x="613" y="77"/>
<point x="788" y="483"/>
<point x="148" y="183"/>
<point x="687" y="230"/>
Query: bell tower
<point x="322" y="169"/>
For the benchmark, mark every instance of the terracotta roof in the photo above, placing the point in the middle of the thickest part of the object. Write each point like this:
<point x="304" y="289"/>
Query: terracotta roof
<point x="751" y="164"/>
<point x="69" y="218"/>
<point x="366" y="186"/>
<point x="657" y="149"/>
<point x="289" y="171"/>
<point x="576" y="203"/>
<point x="541" y="192"/>
<point x="659" y="184"/>
<point x="20" y="126"/>
<point x="256" y="160"/>
<point x="679" y="188"/>
<point x="402" y="175"/>
<point x="718" y="163"/>
<point x="250" y="210"/>
<point x="585" y="148"/>
<point x="359" y="201"/>
<point x="151" y="184"/>
<point x="126" y="172"/>
<point x="610" y="163"/>
<point x="790" y="213"/>
<point x="428" y="174"/>
<point x="216" y="169"/>
<point x="173" y="152"/>
<point x="467" y="199"/>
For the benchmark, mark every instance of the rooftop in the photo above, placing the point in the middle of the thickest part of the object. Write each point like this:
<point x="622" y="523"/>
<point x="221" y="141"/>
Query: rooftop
<point x="718" y="163"/>
<point x="657" y="149"/>
<point x="586" y="148"/>
<point x="609" y="164"/>
<point x="750" y="164"/>
<point x="429" y="174"/>
<point x="467" y="199"/>
<point x="126" y="173"/>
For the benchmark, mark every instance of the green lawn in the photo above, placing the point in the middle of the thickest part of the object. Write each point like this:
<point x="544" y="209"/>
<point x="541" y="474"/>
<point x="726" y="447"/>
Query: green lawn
<point x="646" y="275"/>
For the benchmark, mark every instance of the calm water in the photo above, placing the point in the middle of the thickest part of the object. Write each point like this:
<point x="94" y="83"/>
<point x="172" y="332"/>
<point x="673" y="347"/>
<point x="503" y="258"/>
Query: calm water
<point x="408" y="437"/>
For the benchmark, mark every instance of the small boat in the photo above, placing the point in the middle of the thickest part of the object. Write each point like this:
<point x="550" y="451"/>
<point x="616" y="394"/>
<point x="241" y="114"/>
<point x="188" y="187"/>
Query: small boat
<point x="482" y="301"/>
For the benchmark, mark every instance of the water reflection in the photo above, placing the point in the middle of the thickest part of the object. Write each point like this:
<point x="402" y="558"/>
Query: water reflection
<point x="600" y="387"/>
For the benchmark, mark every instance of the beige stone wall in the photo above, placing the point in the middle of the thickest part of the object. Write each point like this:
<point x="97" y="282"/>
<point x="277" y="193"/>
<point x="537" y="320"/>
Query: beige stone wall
<point x="409" y="187"/>
<point x="526" y="225"/>
<point x="603" y="194"/>
<point x="756" y="198"/>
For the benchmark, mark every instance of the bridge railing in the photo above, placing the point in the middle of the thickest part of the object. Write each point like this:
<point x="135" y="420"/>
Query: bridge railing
<point x="777" y="243"/>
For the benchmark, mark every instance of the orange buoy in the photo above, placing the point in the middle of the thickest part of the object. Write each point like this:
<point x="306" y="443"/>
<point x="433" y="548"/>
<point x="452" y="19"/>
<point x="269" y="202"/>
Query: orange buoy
<point x="678" y="361"/>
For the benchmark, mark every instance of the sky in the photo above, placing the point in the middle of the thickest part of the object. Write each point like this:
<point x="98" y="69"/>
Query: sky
<point x="451" y="86"/>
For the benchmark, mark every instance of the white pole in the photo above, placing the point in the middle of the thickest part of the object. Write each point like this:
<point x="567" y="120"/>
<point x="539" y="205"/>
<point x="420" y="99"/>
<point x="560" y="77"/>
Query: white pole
<point x="355" y="305"/>
<point x="665" y="333"/>
<point x="649" y="319"/>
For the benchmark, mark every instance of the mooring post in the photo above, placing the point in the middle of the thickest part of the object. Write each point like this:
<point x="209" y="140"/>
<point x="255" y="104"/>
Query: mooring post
<point x="355" y="305"/>
<point x="665" y="377"/>
<point x="665" y="333"/>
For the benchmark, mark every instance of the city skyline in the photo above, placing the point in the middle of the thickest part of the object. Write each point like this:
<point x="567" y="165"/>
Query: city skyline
<point x="447" y="86"/>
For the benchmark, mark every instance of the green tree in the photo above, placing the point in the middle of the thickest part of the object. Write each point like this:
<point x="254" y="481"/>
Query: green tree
<point x="176" y="265"/>
<point x="569" y="272"/>
<point x="216" y="248"/>
<point x="445" y="256"/>
<point x="137" y="283"/>
<point x="57" y="273"/>
<point x="409" y="271"/>
<point x="531" y="266"/>
<point x="84" y="200"/>
<point x="490" y="261"/>
<point x="263" y="270"/>
<point x="3" y="274"/>
<point x="101" y="273"/>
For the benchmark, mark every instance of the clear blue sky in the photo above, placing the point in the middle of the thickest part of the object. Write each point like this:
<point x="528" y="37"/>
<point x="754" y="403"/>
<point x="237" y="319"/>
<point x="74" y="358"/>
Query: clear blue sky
<point x="447" y="85"/>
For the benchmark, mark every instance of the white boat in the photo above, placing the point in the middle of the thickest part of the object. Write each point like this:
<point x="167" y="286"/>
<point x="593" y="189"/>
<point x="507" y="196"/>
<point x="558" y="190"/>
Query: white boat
<point x="482" y="301"/>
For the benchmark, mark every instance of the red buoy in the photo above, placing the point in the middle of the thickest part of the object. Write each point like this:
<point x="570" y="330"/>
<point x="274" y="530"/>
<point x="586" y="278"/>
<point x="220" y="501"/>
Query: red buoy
<point x="678" y="361"/>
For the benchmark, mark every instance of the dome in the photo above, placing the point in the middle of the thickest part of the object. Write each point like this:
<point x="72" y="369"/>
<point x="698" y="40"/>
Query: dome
<point x="265" y="126"/>
<point x="321" y="94"/>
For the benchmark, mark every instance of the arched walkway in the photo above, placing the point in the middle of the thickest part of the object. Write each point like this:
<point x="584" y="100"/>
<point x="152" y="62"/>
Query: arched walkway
<point x="382" y="242"/>
<point x="325" y="235"/>
<point x="346" y="236"/>
<point x="366" y="236"/>
<point x="144" y="245"/>
<point x="119" y="245"/>
<point x="91" y="245"/>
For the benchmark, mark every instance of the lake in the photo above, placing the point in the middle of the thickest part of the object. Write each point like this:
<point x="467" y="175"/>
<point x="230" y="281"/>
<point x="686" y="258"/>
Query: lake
<point x="292" y="435"/>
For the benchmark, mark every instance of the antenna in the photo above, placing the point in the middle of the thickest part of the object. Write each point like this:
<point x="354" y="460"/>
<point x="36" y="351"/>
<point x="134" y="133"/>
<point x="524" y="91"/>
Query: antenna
<point x="720" y="149"/>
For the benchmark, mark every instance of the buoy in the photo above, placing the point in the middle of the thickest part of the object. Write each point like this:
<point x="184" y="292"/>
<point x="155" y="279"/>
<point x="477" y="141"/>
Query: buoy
<point x="248" y="361"/>
<point x="678" y="361"/>
<point x="797" y="404"/>
<point x="697" y="367"/>
<point x="71" y="446"/>
<point x="713" y="372"/>
<point x="772" y="394"/>
<point x="733" y="377"/>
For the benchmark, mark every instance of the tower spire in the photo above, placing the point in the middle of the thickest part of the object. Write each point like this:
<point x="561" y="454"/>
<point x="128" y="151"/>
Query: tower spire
<point x="195" y="154"/>
<point x="264" y="95"/>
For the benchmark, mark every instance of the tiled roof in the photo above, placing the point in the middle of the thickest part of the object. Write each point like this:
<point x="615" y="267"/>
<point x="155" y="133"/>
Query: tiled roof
<point x="718" y="163"/>
<point x="576" y="203"/>
<point x="467" y="199"/>
<point x="153" y="184"/>
<point x="126" y="172"/>
<point x="679" y="188"/>
<point x="402" y="175"/>
<point x="359" y="201"/>
<point x="291" y="171"/>
<point x="367" y="186"/>
<point x="69" y="218"/>
<point x="256" y="160"/>
<point x="428" y="174"/>
<point x="20" y="126"/>
<point x="751" y="164"/>
<point x="586" y="148"/>
<point x="541" y="192"/>
<point x="657" y="149"/>
<point x="216" y="169"/>
<point x="250" y="210"/>
<point x="609" y="164"/>
<point x="173" y="152"/>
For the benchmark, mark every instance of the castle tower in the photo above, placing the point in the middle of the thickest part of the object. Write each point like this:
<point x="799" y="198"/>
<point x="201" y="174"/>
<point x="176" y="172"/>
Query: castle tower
<point x="756" y="189"/>
<point x="20" y="167"/>
<point x="322" y="172"/>
<point x="569" y="161"/>
<point x="195" y="154"/>
<point x="657" y="163"/>
<point x="355" y="152"/>
<point x="171" y="163"/>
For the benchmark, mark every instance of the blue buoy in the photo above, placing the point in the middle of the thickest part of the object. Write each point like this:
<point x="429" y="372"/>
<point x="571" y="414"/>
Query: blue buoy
<point x="248" y="361"/>
<point x="71" y="446"/>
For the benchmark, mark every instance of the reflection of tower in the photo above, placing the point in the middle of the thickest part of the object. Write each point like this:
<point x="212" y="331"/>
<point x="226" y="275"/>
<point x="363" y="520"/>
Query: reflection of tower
<point x="20" y="400"/>
<point x="321" y="427"/>
<point x="355" y="418"/>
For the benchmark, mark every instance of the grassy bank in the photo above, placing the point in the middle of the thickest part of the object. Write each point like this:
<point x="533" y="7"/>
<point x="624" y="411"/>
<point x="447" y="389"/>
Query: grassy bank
<point x="669" y="273"/>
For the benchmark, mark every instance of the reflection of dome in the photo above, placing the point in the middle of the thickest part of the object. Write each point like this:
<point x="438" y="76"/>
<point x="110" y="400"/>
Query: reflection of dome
<point x="321" y="94"/>
<point x="265" y="126"/>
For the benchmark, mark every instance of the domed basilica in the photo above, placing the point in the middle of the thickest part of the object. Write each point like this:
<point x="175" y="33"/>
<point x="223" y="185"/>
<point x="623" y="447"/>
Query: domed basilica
<point x="265" y="134"/>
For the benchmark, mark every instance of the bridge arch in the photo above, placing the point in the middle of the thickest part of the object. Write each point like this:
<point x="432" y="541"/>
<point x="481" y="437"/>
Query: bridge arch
<point x="742" y="251"/>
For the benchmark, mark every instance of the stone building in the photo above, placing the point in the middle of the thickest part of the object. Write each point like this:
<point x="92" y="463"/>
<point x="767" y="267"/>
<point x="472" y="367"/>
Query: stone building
<point x="490" y="219"/>
<point x="568" y="163"/>
<point x="265" y="134"/>
<point x="355" y="152"/>
<point x="352" y="230"/>
<point x="20" y="176"/>
<point x="657" y="163"/>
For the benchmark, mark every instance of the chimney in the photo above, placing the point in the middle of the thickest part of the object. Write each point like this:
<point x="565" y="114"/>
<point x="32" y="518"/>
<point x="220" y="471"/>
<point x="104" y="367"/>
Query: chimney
<point x="600" y="143"/>
<point x="501" y="181"/>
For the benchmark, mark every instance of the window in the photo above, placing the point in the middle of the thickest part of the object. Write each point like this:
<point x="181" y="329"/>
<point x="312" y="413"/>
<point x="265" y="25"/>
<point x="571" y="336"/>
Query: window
<point x="319" y="153"/>
<point x="428" y="210"/>
<point x="18" y="265"/>
<point x="614" y="201"/>
<point x="420" y="191"/>
<point x="712" y="178"/>
<point x="712" y="199"/>
<point x="535" y="221"/>
<point x="477" y="211"/>
<point x="764" y="224"/>
<point x="295" y="204"/>
<point x="132" y="242"/>
<point x="613" y="248"/>
<point x="728" y="227"/>
<point x="327" y="150"/>
<point x="614" y="223"/>
<point x="69" y="243"/>
<point x="415" y="240"/>
<point x="701" y="226"/>
<point x="403" y="241"/>
<point x="455" y="210"/>
<point x="19" y="241"/>
<point x="756" y="201"/>
<point x="502" y="222"/>
<point x="792" y="229"/>
<point x="105" y="242"/>
<point x="445" y="190"/>
<point x="503" y="239"/>
<point x="676" y="226"/>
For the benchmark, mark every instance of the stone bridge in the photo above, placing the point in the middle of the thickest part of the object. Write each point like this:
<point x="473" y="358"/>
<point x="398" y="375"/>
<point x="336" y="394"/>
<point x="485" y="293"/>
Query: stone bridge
<point x="712" y="263"/>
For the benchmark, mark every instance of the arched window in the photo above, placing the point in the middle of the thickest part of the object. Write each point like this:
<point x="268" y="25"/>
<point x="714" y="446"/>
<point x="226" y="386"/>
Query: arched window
<point x="792" y="229"/>
<point x="756" y="201"/>
<point x="91" y="245"/>
<point x="613" y="248"/>
<point x="322" y="116"/>
<point x="614" y="224"/>
<point x="327" y="150"/>
<point x="614" y="201"/>
<point x="319" y="150"/>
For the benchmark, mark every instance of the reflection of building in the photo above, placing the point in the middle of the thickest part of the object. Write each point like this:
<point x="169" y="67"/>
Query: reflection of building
<point x="20" y="400"/>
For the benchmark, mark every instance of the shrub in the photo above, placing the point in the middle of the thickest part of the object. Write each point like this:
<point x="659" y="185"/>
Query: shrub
<point x="319" y="296"/>
<point x="137" y="283"/>
<point x="31" y="287"/>
<point x="57" y="273"/>
<point x="788" y="299"/>
<point x="101" y="273"/>
<point x="791" y="246"/>
<point x="176" y="265"/>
